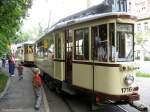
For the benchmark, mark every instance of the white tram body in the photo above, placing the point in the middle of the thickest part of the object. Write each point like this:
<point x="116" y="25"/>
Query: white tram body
<point x="70" y="54"/>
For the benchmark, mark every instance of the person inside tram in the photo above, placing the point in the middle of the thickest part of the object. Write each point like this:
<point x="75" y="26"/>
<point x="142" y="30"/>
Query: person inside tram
<point x="102" y="54"/>
<point x="100" y="46"/>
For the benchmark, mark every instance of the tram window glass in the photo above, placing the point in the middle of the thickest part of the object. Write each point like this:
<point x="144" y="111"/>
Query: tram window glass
<point x="30" y="49"/>
<point x="40" y="49"/>
<point x="112" y="48"/>
<point x="25" y="49"/>
<point x="125" y="42"/>
<point x="45" y="47"/>
<point x="51" y="49"/>
<point x="99" y="33"/>
<point x="58" y="45"/>
<point x="69" y="44"/>
<point x="82" y="44"/>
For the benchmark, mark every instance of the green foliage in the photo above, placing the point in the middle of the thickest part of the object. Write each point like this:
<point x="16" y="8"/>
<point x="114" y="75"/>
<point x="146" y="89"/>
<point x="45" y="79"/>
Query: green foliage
<point x="21" y="37"/>
<point x="3" y="81"/>
<point x="32" y="34"/>
<point x="146" y="58"/>
<point x="12" y="13"/>
<point x="139" y="38"/>
<point x="142" y="37"/>
<point x="142" y="74"/>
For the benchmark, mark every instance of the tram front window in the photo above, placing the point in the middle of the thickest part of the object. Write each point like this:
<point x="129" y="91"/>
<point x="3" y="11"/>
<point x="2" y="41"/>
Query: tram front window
<point x="124" y="42"/>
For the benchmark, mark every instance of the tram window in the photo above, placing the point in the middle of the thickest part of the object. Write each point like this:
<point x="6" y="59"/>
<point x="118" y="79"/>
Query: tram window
<point x="82" y="44"/>
<point x="30" y="49"/>
<point x="45" y="47"/>
<point x="40" y="50"/>
<point x="112" y="41"/>
<point x="51" y="48"/>
<point x="99" y="33"/>
<point x="125" y="42"/>
<point x="58" y="45"/>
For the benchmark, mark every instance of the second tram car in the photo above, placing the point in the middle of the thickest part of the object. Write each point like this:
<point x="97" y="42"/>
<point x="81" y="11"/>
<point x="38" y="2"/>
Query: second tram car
<point x="25" y="53"/>
<point x="93" y="53"/>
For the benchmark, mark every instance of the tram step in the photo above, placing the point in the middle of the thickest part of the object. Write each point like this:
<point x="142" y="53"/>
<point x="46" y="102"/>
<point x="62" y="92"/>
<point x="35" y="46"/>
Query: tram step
<point x="68" y="89"/>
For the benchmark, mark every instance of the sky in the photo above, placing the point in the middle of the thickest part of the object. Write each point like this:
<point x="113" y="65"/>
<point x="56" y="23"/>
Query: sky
<point x="47" y="12"/>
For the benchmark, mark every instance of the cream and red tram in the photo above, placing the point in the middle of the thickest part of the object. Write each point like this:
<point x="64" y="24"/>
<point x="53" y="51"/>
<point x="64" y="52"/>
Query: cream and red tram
<point x="92" y="53"/>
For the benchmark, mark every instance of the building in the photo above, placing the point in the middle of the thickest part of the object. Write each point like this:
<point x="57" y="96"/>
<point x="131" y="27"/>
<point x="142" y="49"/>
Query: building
<point x="141" y="8"/>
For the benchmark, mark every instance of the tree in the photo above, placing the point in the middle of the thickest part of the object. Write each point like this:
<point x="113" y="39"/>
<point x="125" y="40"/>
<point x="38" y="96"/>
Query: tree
<point x="142" y="42"/>
<point x="12" y="13"/>
<point x="21" y="37"/>
<point x="141" y="38"/>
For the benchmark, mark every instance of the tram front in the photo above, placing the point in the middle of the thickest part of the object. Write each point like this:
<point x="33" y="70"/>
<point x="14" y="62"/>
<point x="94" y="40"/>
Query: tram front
<point x="114" y="65"/>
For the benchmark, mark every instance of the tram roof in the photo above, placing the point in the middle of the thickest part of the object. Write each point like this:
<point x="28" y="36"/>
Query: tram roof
<point x="90" y="17"/>
<point x="95" y="12"/>
<point x="27" y="42"/>
<point x="97" y="9"/>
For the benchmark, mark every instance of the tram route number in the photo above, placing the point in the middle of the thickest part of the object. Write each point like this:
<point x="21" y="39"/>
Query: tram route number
<point x="125" y="90"/>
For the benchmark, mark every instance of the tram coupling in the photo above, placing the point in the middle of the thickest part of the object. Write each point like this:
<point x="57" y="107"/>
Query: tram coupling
<point x="139" y="106"/>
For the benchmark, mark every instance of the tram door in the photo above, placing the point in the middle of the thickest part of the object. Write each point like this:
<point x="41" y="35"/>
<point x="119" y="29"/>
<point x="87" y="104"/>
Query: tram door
<point x="68" y="52"/>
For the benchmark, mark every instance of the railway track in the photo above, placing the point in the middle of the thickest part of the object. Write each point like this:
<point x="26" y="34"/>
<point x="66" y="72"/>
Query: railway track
<point x="124" y="110"/>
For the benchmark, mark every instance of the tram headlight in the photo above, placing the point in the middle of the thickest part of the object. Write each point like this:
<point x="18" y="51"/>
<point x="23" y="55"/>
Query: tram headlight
<point x="129" y="79"/>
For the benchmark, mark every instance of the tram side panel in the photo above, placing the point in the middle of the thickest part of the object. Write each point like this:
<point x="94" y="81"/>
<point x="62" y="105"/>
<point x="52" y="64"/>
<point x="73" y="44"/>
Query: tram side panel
<point x="59" y="70"/>
<point x="104" y="80"/>
<point x="82" y="76"/>
<point x="110" y="80"/>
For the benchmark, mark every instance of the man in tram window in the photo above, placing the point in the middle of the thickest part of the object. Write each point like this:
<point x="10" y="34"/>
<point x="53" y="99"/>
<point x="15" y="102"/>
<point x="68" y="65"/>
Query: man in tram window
<point x="100" y="48"/>
<point x="102" y="54"/>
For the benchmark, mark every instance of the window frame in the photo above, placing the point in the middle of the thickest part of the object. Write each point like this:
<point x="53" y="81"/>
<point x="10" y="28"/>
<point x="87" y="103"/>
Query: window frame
<point x="126" y="60"/>
<point x="77" y="47"/>
<point x="104" y="40"/>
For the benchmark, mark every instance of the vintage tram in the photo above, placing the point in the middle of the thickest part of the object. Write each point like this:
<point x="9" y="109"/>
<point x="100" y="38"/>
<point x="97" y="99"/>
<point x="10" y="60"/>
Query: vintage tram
<point x="91" y="52"/>
<point x="25" y="53"/>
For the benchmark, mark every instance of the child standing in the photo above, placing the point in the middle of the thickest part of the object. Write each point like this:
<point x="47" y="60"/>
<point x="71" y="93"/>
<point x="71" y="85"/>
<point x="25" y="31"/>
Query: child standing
<point x="37" y="84"/>
<point x="20" y="71"/>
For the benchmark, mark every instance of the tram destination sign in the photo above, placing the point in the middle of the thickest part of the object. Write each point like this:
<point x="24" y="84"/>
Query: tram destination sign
<point x="124" y="27"/>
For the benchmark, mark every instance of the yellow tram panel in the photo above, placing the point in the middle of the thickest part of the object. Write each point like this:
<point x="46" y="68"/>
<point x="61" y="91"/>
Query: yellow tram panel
<point x="29" y="57"/>
<point x="82" y="76"/>
<point x="113" y="83"/>
<point x="59" y="70"/>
